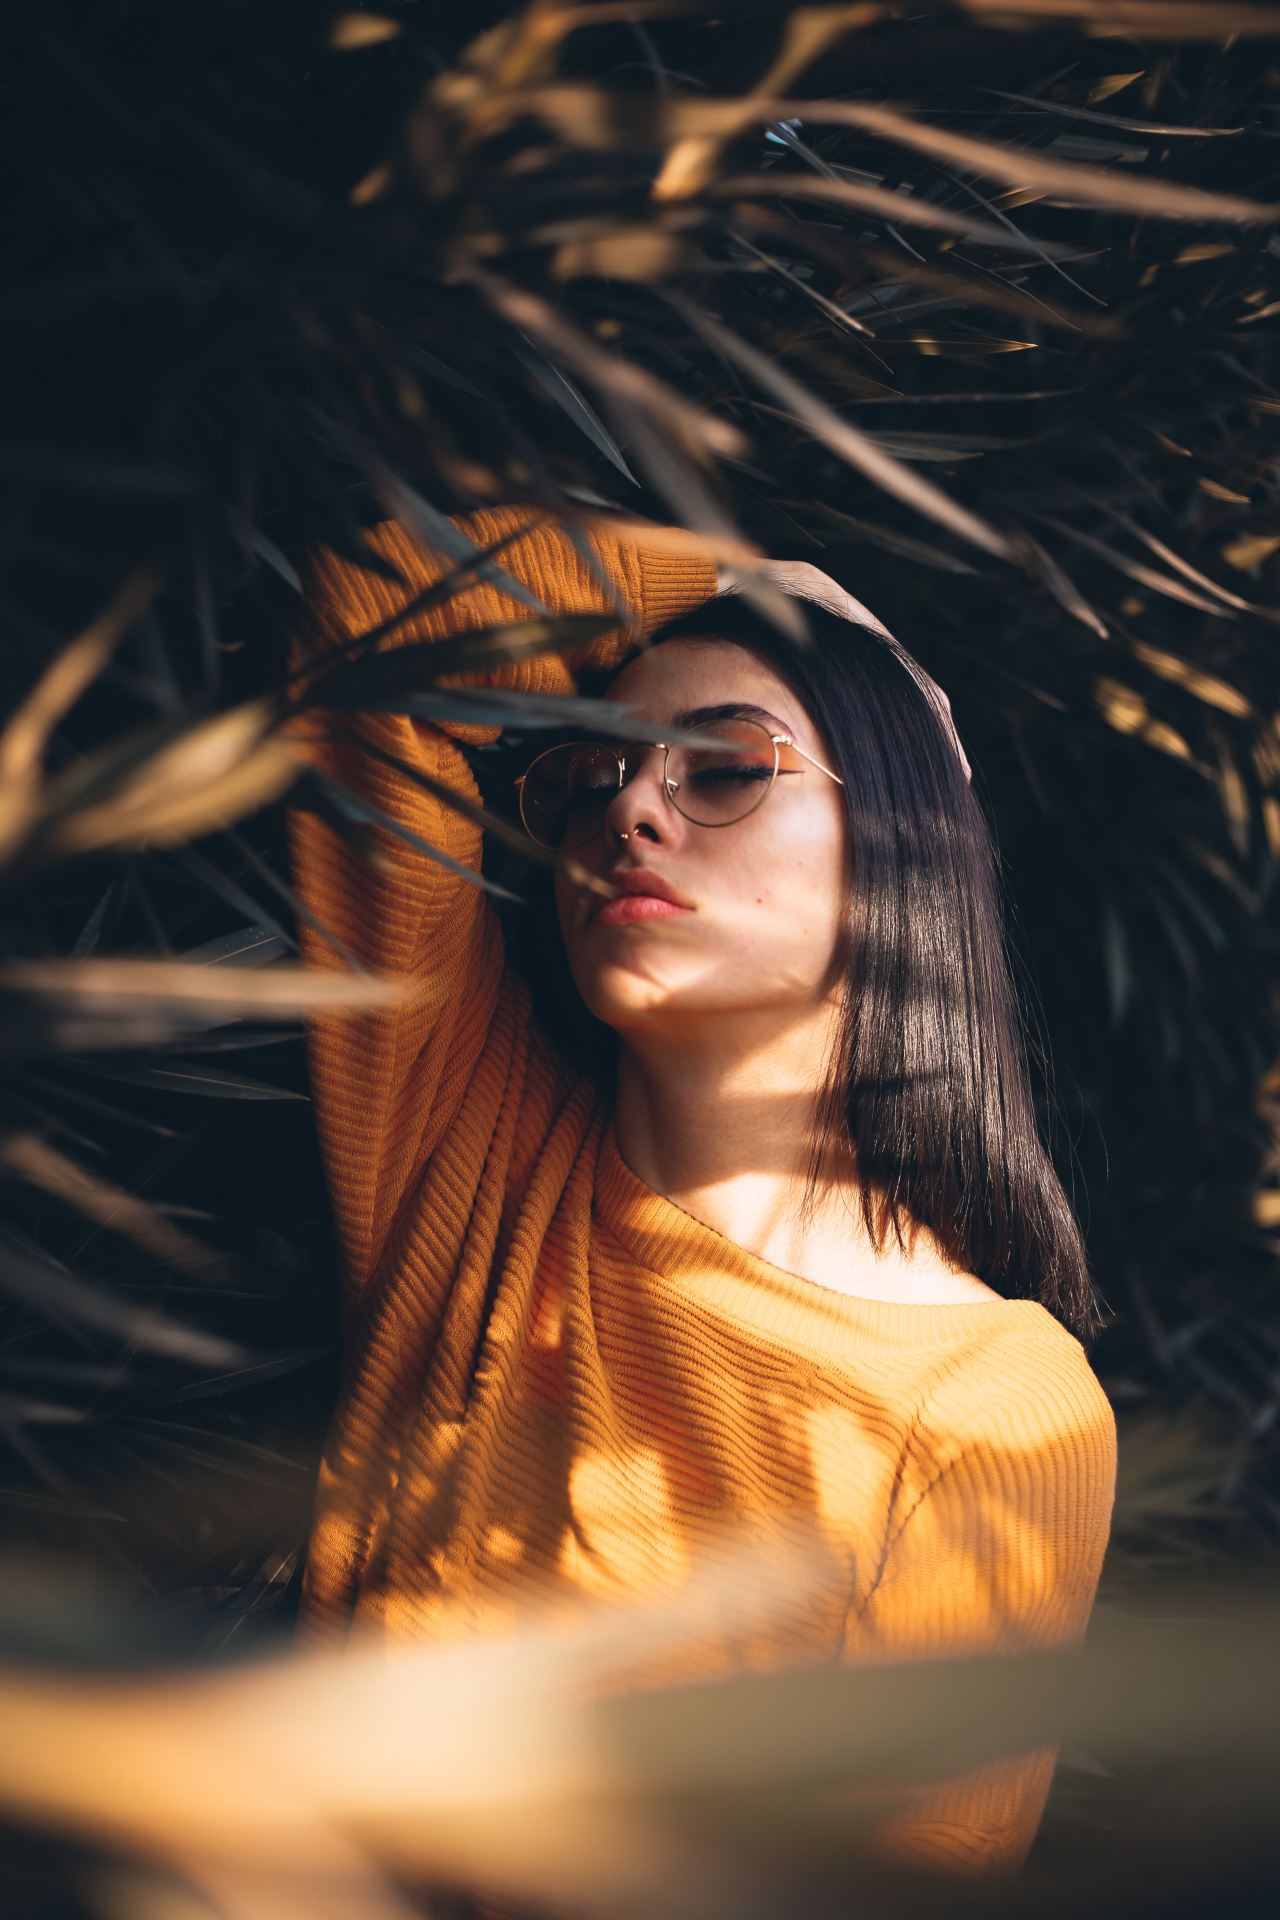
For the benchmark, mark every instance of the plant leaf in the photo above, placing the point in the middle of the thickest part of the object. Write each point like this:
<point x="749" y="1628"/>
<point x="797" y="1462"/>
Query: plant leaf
<point x="848" y="441"/>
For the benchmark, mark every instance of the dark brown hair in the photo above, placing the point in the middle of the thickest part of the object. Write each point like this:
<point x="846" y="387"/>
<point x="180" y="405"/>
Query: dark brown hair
<point x="930" y="1087"/>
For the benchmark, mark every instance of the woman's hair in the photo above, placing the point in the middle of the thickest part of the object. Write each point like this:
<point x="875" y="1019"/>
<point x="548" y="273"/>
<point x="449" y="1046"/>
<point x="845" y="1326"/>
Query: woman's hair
<point x="929" y="1084"/>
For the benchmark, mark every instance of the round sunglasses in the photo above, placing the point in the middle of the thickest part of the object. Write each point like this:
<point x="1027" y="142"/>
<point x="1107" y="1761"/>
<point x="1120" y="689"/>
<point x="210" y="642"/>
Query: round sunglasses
<point x="565" y="792"/>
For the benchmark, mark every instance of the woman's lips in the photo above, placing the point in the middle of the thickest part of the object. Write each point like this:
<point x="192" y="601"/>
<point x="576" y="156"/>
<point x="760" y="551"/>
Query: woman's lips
<point x="634" y="906"/>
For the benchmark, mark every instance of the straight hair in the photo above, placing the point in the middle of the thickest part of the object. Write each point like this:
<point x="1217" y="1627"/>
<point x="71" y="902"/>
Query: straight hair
<point x="928" y="1096"/>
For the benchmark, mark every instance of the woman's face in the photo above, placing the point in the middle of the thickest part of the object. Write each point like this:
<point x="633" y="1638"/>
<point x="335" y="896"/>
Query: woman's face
<point x="763" y="918"/>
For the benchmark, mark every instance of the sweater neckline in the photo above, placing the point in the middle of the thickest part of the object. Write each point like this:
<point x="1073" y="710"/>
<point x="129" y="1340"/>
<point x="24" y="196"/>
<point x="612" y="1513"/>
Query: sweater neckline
<point x="698" y="1264"/>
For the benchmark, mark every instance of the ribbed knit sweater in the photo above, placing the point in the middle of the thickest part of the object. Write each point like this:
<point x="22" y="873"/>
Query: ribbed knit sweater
<point x="559" y="1383"/>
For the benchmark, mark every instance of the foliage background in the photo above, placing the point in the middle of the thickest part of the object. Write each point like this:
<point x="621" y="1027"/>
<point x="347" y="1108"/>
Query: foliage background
<point x="280" y="269"/>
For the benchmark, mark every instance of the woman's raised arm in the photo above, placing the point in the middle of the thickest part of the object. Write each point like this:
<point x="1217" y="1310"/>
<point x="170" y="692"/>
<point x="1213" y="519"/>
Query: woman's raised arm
<point x="385" y="1084"/>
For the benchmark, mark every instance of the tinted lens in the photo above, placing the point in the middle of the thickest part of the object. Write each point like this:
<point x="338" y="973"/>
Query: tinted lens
<point x="717" y="785"/>
<point x="566" y="792"/>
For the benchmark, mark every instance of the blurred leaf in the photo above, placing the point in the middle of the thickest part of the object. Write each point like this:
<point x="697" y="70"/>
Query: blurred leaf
<point x="919" y="552"/>
<point x="327" y="795"/>
<point x="1154" y="19"/>
<point x="566" y="395"/>
<point x="418" y="665"/>
<point x="57" y="1293"/>
<point x="163" y="785"/>
<point x="352" y="31"/>
<point x="210" y="1081"/>
<point x="903" y="208"/>
<point x="1065" y="112"/>
<point x="42" y="1165"/>
<point x="691" y="123"/>
<point x="858" y="448"/>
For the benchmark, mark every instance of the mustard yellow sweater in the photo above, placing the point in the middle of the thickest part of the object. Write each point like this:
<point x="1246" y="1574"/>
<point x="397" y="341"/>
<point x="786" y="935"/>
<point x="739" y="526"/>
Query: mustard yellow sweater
<point x="556" y="1381"/>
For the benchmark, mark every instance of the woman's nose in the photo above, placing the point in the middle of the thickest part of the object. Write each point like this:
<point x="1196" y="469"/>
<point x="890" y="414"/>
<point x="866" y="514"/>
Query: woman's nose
<point x="642" y="801"/>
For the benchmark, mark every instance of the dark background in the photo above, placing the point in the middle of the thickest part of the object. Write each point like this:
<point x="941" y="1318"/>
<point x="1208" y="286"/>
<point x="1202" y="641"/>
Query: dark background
<point x="247" y="314"/>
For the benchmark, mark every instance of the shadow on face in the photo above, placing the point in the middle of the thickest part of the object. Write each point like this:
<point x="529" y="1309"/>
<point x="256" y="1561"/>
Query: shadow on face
<point x="764" y="899"/>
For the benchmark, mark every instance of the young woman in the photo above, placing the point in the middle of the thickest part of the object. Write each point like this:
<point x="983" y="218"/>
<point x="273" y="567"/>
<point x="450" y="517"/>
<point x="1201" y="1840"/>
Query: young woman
<point x="747" y="1221"/>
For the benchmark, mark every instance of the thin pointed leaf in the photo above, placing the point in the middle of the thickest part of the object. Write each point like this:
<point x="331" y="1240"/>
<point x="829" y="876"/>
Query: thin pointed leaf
<point x="909" y="209"/>
<point x="891" y="540"/>
<point x="356" y="807"/>
<point x="301" y="911"/>
<point x="418" y="665"/>
<point x="223" y="887"/>
<point x="54" y="1291"/>
<point x="848" y="441"/>
<point x="1135" y="569"/>
<point x="209" y="1082"/>
<point x="1044" y="567"/>
<point x="561" y="389"/>
<point x="104" y="984"/>
<point x="1061" y="108"/>
<point x="251" y="946"/>
<point x="42" y="1165"/>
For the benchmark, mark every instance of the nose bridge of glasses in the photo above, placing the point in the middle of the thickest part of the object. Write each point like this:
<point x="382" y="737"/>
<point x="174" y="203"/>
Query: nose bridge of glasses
<point x="631" y="757"/>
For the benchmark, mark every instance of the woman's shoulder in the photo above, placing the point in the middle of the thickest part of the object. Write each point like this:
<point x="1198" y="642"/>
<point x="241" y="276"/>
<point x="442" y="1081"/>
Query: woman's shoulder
<point x="1046" y="1383"/>
<point x="1029" y="1376"/>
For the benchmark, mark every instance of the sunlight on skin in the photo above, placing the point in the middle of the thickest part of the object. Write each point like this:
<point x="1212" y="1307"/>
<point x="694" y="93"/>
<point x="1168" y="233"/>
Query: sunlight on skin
<point x="727" y="1012"/>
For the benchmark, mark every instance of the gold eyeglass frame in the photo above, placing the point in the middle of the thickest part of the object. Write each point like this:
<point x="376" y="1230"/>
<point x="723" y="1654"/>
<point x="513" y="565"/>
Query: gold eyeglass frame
<point x="670" y="786"/>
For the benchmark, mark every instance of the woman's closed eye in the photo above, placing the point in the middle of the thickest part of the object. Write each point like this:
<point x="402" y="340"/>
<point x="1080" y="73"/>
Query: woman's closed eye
<point x="722" y="775"/>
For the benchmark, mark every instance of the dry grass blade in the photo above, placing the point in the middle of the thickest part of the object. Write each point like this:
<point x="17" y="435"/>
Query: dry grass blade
<point x="453" y="580"/>
<point x="23" y="742"/>
<point x="330" y="796"/>
<point x="1165" y="552"/>
<point x="891" y="539"/>
<point x="807" y="33"/>
<point x="829" y="308"/>
<point x="695" y="505"/>
<point x="1066" y="112"/>
<point x="858" y="448"/>
<point x="351" y="31"/>
<point x="498" y="829"/>
<point x="613" y="376"/>
<point x="353" y="681"/>
<point x="102" y="1201"/>
<point x="1147" y="19"/>
<point x="1209" y="688"/>
<point x="551" y="1776"/>
<point x="580" y="115"/>
<point x="1042" y="564"/>
<point x="555" y="382"/>
<point x="1136" y="569"/>
<point x="977" y="287"/>
<point x="104" y="985"/>
<point x="904" y="209"/>
<point x="436" y="529"/>
<point x="203" y="778"/>
<point x="65" y="679"/>
<point x="55" y="1294"/>
<point x="1021" y="167"/>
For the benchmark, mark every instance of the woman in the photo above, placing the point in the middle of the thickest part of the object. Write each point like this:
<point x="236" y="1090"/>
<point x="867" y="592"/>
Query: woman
<point x="787" y="1248"/>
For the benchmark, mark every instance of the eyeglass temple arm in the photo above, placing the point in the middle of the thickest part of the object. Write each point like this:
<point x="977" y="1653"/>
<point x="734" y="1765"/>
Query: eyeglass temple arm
<point x="785" y="740"/>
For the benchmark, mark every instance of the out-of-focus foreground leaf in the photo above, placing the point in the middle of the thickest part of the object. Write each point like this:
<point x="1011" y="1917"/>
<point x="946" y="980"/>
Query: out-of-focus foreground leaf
<point x="974" y="306"/>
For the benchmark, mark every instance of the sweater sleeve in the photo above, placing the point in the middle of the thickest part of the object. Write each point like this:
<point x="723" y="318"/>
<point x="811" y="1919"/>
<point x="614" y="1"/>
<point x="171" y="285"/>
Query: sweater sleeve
<point x="998" y="1550"/>
<point x="386" y="1084"/>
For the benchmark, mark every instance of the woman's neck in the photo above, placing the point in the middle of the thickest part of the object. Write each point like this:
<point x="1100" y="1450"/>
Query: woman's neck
<point x="723" y="1126"/>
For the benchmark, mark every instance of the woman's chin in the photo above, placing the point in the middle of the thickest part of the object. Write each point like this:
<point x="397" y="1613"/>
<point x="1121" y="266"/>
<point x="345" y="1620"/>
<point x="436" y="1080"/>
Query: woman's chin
<point x="623" y="998"/>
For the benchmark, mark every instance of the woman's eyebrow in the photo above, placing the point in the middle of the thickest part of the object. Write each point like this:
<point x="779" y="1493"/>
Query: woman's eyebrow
<point x="729" y="710"/>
